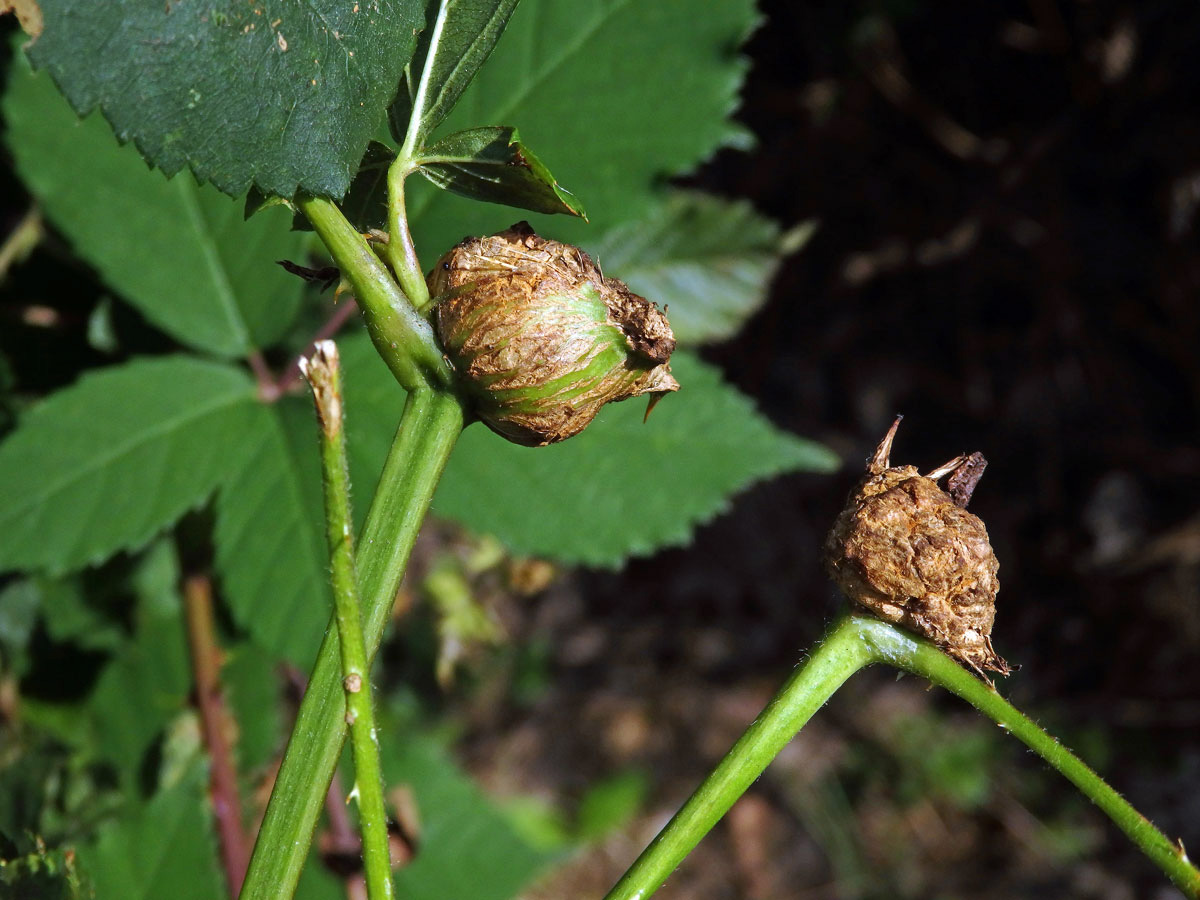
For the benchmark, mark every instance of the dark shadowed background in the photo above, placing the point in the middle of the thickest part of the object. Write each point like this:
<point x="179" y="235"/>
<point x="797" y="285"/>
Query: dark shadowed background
<point x="1007" y="254"/>
<point x="1008" y="197"/>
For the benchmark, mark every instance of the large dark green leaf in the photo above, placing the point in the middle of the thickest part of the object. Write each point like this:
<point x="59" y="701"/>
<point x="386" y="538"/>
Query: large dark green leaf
<point x="614" y="96"/>
<point x="270" y="534"/>
<point x="621" y="488"/>
<point x="283" y="94"/>
<point x="451" y="49"/>
<point x="491" y="164"/>
<point x="710" y="260"/>
<point x="178" y="252"/>
<point x="105" y="464"/>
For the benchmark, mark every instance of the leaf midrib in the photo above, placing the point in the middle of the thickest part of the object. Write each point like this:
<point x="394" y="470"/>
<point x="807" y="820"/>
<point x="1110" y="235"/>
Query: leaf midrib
<point x="225" y="294"/>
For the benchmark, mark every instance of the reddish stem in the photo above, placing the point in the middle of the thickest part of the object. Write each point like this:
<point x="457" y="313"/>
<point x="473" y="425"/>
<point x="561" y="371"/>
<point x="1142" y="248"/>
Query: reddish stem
<point x="206" y="670"/>
<point x="332" y="326"/>
<point x="268" y="390"/>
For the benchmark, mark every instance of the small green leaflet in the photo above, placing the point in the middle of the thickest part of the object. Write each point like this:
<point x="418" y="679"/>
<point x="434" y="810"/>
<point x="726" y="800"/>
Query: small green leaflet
<point x="105" y="464"/>
<point x="450" y="51"/>
<point x="281" y="94"/>
<point x="491" y="164"/>
<point x="178" y="252"/>
<point x="710" y="260"/>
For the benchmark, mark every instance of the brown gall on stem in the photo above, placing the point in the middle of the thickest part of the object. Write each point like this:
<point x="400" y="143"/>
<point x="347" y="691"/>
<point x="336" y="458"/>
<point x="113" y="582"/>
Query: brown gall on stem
<point x="909" y="553"/>
<point x="541" y="339"/>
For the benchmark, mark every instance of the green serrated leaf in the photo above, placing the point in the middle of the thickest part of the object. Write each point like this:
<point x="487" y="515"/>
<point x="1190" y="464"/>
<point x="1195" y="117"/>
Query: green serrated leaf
<point x="366" y="202"/>
<point x="491" y="164"/>
<point x="710" y="260"/>
<point x="165" y="849"/>
<point x="620" y="488"/>
<point x="283" y="94"/>
<point x="180" y="253"/>
<point x="614" y="95"/>
<point x="623" y="488"/>
<point x="451" y="49"/>
<point x="457" y="823"/>
<point x="105" y="464"/>
<point x="270" y="538"/>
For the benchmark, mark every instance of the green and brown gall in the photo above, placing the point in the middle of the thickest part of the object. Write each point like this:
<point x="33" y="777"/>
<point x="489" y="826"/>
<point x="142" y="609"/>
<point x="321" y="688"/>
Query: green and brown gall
<point x="541" y="339"/>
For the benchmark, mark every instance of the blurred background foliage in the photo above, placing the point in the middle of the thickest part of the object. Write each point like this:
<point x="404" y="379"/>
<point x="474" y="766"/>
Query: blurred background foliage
<point x="1006" y="253"/>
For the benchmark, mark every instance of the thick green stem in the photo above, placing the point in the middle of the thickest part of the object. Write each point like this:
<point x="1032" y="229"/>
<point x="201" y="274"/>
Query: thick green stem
<point x="403" y="337"/>
<point x="325" y="376"/>
<point x="835" y="659"/>
<point x="429" y="428"/>
<point x="851" y="644"/>
<point x="922" y="658"/>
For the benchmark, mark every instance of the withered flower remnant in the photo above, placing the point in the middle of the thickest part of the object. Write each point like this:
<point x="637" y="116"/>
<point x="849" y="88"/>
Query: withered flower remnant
<point x="541" y="338"/>
<point x="908" y="552"/>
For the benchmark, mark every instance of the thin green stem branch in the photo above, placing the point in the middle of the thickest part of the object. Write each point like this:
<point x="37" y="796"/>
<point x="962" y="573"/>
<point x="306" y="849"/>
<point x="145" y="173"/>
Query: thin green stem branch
<point x="403" y="337"/>
<point x="402" y="254"/>
<point x="851" y="644"/>
<point x="430" y="426"/>
<point x="835" y="659"/>
<point x="324" y="374"/>
<point x="922" y="658"/>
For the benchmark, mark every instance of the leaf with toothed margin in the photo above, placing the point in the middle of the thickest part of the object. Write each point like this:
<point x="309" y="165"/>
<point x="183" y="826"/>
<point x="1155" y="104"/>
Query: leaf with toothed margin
<point x="178" y="252"/>
<point x="270" y="536"/>
<point x="710" y="260"/>
<point x="107" y="463"/>
<point x="621" y="488"/>
<point x="281" y="94"/>
<point x="491" y="164"/>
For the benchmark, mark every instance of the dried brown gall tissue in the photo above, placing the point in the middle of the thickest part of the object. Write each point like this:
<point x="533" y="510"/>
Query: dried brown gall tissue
<point x="908" y="552"/>
<point x="541" y="338"/>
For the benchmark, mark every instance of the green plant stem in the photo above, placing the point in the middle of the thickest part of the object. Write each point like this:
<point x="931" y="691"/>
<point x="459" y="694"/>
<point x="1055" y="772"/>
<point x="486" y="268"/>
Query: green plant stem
<point x="402" y="254"/>
<point x="430" y="425"/>
<point x="839" y="655"/>
<point x="325" y="376"/>
<point x="851" y="644"/>
<point x="403" y="337"/>
<point x="922" y="658"/>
